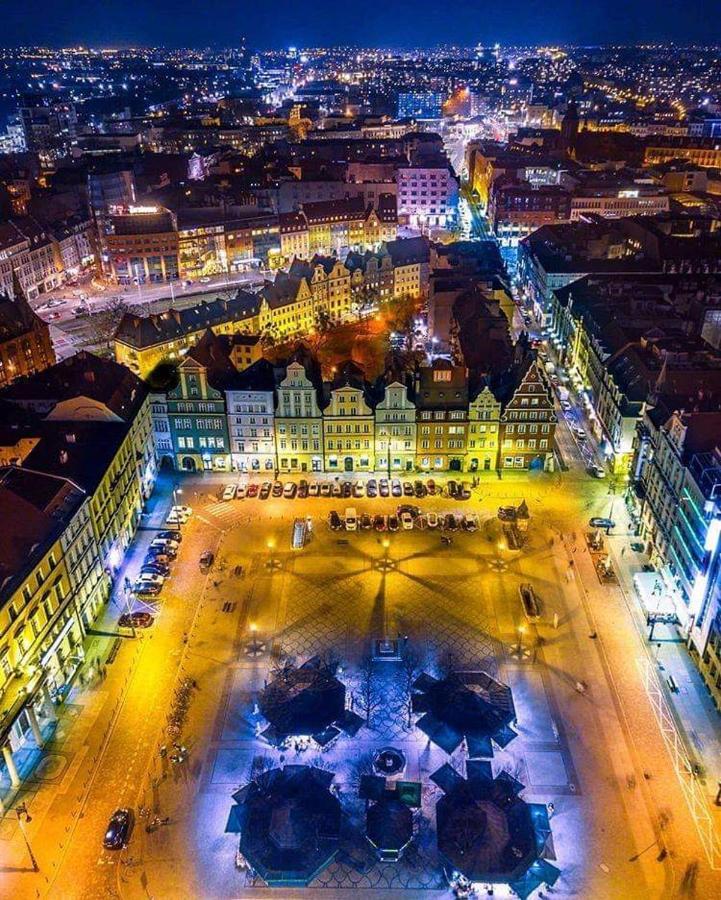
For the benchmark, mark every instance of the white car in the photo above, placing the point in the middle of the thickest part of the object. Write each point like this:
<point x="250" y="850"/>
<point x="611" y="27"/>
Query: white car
<point x="229" y="492"/>
<point x="596" y="471"/>
<point x="165" y="544"/>
<point x="150" y="578"/>
<point x="241" y="491"/>
<point x="432" y="520"/>
<point x="406" y="521"/>
<point x="179" y="515"/>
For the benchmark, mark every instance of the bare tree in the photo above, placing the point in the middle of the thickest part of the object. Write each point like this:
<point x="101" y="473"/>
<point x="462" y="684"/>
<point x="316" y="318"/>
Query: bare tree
<point x="105" y="323"/>
<point x="369" y="695"/>
<point x="411" y="667"/>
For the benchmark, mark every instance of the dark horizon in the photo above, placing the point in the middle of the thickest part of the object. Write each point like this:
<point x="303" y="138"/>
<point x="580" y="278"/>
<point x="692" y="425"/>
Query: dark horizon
<point x="403" y="24"/>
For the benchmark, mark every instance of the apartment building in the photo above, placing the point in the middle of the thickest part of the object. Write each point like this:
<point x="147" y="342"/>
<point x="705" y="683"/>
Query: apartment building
<point x="441" y="396"/>
<point x="298" y="417"/>
<point x="348" y="423"/>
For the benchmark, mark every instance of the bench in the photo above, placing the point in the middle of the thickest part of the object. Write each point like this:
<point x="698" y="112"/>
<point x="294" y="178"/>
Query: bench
<point x="672" y="686"/>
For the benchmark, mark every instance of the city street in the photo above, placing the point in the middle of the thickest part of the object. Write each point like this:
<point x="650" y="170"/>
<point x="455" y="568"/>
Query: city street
<point x="597" y="756"/>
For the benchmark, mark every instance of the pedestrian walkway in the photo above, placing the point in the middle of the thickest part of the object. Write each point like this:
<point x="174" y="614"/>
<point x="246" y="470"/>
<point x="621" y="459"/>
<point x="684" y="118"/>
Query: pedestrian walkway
<point x="696" y="716"/>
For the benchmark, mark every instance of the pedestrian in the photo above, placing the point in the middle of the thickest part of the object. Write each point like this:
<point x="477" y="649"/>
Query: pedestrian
<point x="551" y="809"/>
<point x="185" y="637"/>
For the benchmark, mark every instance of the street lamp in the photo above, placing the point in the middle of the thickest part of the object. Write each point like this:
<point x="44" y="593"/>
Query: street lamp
<point x="23" y="817"/>
<point x="176" y="493"/>
<point x="253" y="646"/>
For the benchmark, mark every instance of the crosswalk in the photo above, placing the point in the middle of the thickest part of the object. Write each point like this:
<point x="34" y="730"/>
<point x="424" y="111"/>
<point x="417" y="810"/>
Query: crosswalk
<point x="226" y="513"/>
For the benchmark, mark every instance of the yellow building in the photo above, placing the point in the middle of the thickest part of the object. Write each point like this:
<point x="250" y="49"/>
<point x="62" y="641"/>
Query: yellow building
<point x="348" y="423"/>
<point x="482" y="443"/>
<point x="142" y="342"/>
<point x="299" y="420"/>
<point x="410" y="258"/>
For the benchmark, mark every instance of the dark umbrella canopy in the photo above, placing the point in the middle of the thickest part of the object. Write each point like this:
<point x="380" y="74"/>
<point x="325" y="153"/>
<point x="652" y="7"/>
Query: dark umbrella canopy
<point x="289" y="824"/>
<point x="482" y="839"/>
<point x="302" y="701"/>
<point x="389" y="824"/>
<point x="474" y="706"/>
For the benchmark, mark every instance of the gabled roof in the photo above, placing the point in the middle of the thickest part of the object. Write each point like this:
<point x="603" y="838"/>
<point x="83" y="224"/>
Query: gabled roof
<point x="406" y="251"/>
<point x="147" y="331"/>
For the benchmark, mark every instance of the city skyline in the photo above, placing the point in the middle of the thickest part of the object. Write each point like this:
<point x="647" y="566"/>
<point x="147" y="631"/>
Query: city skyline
<point x="526" y="23"/>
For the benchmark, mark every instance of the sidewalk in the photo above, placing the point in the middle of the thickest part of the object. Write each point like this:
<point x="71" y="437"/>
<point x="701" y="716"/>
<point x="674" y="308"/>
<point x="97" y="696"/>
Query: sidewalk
<point x="696" y="716"/>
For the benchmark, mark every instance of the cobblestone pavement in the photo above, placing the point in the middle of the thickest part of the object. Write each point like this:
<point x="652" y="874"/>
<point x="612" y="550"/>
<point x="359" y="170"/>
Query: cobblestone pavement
<point x="458" y="607"/>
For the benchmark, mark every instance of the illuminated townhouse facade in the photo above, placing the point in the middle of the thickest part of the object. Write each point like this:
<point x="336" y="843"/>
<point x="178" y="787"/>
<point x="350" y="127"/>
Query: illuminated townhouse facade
<point x="395" y="429"/>
<point x="25" y="345"/>
<point x="441" y="396"/>
<point x="250" y="404"/>
<point x="348" y="423"/>
<point x="483" y="437"/>
<point x="299" y="420"/>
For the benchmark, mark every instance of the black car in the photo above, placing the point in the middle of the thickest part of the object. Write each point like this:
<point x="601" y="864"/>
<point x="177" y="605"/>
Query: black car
<point x="347" y="489"/>
<point x="452" y="488"/>
<point x="450" y="522"/>
<point x="334" y="521"/>
<point x="302" y="489"/>
<point x="601" y="522"/>
<point x="420" y="489"/>
<point x="380" y="523"/>
<point x="170" y="536"/>
<point x="135" y="620"/>
<point x="156" y="557"/>
<point x="393" y="523"/>
<point x="155" y="568"/>
<point x="409" y="508"/>
<point x="120" y="826"/>
<point x="265" y="490"/>
<point x="366" y="522"/>
<point x="207" y="558"/>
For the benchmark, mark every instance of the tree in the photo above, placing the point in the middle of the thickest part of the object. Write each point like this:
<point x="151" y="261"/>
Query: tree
<point x="369" y="696"/>
<point x="106" y="322"/>
<point x="411" y="668"/>
<point x="269" y="336"/>
<point x="322" y="320"/>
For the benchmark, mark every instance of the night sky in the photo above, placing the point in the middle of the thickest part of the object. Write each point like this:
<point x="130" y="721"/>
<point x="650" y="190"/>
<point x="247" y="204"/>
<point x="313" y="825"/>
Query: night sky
<point x="398" y="23"/>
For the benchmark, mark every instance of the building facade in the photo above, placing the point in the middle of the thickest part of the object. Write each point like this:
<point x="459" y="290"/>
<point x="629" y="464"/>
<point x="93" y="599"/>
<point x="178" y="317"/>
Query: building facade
<point x="395" y="430"/>
<point x="298" y="422"/>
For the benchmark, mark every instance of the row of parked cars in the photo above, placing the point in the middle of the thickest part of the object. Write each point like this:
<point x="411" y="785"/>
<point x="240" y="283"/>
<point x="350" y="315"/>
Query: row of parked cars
<point x="405" y="518"/>
<point x="383" y="487"/>
<point x="162" y="551"/>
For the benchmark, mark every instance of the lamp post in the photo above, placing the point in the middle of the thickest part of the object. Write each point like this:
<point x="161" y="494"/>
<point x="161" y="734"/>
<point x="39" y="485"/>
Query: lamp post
<point x="176" y="494"/>
<point x="253" y="646"/>
<point x="23" y="817"/>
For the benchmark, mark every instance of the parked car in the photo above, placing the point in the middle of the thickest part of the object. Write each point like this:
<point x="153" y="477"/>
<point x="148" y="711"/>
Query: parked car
<point x="408" y="489"/>
<point x="166" y="543"/>
<point x="601" y="522"/>
<point x="396" y="488"/>
<point x="596" y="471"/>
<point x="207" y="558"/>
<point x="178" y="515"/>
<point x="384" y="487"/>
<point x="419" y="489"/>
<point x="325" y="489"/>
<point x="156" y="555"/>
<point x="290" y="490"/>
<point x="413" y="511"/>
<point x="337" y="489"/>
<point x="358" y="490"/>
<point x="334" y="521"/>
<point x="347" y="489"/>
<point x="432" y="520"/>
<point x="170" y="536"/>
<point x="253" y="490"/>
<point x="366" y="522"/>
<point x="406" y="520"/>
<point x="314" y="489"/>
<point x="120" y="827"/>
<point x="241" y="491"/>
<point x="265" y="489"/>
<point x="452" y="487"/>
<point x="431" y="486"/>
<point x="450" y="522"/>
<point x="507" y="513"/>
<point x="393" y="523"/>
<point x="420" y="522"/>
<point x="302" y="489"/>
<point x="144" y="587"/>
<point x="229" y="492"/>
<point x="155" y="568"/>
<point x="136" y="620"/>
<point x="463" y="491"/>
<point x="380" y="523"/>
<point x="470" y="522"/>
<point x="164" y="547"/>
<point x="277" y="489"/>
<point x="371" y="490"/>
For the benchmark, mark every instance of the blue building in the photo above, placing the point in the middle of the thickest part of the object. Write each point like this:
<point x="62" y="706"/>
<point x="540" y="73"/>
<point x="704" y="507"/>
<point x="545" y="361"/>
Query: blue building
<point x="420" y="105"/>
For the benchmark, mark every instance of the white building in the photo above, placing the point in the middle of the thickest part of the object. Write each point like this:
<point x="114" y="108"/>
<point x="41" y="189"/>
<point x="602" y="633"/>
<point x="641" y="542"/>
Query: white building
<point x="395" y="430"/>
<point x="251" y="418"/>
<point x="427" y="195"/>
